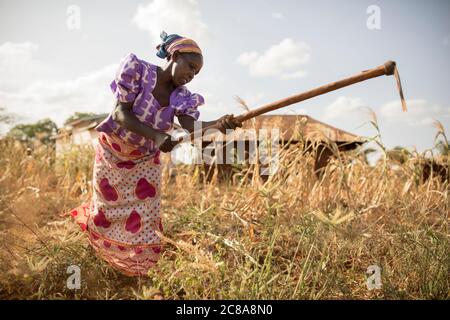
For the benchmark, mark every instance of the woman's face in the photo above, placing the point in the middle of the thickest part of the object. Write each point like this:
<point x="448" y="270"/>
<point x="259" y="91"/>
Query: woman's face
<point x="185" y="67"/>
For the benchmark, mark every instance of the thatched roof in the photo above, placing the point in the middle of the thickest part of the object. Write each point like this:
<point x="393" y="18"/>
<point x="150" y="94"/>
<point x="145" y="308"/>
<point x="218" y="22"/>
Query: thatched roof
<point x="295" y="127"/>
<point x="291" y="127"/>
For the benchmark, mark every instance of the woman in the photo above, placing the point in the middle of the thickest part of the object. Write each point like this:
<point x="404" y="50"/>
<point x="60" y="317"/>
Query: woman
<point x="124" y="213"/>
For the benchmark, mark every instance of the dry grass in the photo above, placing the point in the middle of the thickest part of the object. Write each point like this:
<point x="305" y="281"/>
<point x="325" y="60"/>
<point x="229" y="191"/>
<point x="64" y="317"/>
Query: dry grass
<point x="292" y="237"/>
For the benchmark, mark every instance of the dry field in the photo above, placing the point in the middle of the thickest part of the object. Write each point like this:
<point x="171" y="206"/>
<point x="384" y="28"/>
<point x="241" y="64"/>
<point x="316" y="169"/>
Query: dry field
<point x="291" y="237"/>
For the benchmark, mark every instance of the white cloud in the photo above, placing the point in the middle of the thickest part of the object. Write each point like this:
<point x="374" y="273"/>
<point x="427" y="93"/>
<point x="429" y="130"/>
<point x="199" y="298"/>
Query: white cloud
<point x="59" y="100"/>
<point x="294" y="75"/>
<point x="30" y="90"/>
<point x="19" y="67"/>
<point x="283" y="60"/>
<point x="32" y="99"/>
<point x="173" y="16"/>
<point x="253" y="100"/>
<point x="420" y="112"/>
<point x="10" y="52"/>
<point x="346" y="108"/>
<point x="277" y="15"/>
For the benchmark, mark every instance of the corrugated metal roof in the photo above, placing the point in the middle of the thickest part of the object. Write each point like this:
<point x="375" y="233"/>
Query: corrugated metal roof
<point x="95" y="118"/>
<point x="295" y="127"/>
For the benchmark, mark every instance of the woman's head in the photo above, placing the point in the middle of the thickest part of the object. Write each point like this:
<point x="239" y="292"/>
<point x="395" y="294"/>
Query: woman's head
<point x="184" y="56"/>
<point x="184" y="67"/>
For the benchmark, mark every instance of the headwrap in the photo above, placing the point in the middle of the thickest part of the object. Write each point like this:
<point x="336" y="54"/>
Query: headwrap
<point x="175" y="42"/>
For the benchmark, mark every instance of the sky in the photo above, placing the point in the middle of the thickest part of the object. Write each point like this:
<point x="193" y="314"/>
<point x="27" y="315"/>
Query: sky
<point x="58" y="57"/>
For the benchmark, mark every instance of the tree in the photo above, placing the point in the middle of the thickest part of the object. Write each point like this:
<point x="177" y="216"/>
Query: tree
<point x="41" y="130"/>
<point x="6" y="117"/>
<point x="399" y="154"/>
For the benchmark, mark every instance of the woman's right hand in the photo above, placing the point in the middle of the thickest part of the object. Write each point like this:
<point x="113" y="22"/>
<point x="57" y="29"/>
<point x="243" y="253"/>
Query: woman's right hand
<point x="228" y="121"/>
<point x="164" y="142"/>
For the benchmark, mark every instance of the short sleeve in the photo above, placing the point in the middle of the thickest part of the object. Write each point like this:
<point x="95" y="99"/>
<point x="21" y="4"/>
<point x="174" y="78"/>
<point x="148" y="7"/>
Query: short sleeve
<point x="126" y="84"/>
<point x="186" y="103"/>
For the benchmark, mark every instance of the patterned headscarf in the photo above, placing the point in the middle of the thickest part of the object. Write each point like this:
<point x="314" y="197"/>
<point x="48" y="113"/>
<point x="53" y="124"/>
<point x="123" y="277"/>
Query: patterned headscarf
<point x="175" y="42"/>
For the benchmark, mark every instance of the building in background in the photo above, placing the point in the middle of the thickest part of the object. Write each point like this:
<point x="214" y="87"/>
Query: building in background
<point x="299" y="131"/>
<point x="295" y="130"/>
<point x="78" y="132"/>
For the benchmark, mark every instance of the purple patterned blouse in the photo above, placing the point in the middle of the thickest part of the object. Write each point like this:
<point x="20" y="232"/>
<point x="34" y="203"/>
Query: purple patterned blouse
<point x="135" y="81"/>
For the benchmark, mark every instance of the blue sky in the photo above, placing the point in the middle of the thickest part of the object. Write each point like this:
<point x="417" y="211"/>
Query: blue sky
<point x="259" y="50"/>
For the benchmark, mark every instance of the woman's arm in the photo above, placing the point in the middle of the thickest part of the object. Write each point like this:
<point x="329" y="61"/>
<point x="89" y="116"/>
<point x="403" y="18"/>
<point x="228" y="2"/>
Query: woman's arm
<point x="225" y="122"/>
<point x="188" y="123"/>
<point x="125" y="117"/>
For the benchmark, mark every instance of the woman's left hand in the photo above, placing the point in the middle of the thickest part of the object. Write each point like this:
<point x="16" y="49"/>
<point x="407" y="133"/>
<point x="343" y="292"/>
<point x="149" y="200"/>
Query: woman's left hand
<point x="228" y="121"/>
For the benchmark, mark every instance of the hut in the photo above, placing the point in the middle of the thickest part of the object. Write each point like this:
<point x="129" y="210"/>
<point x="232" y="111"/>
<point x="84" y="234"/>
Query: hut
<point x="78" y="132"/>
<point x="293" y="130"/>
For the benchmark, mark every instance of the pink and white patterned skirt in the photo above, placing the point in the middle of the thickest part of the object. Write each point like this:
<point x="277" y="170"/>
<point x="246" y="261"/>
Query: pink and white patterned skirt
<point x="124" y="212"/>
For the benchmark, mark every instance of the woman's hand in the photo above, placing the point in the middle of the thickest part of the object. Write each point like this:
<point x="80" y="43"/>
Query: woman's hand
<point x="164" y="142"/>
<point x="228" y="121"/>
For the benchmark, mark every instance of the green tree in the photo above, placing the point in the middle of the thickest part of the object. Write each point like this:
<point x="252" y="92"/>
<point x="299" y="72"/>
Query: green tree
<point x="41" y="130"/>
<point x="399" y="154"/>
<point x="6" y="117"/>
